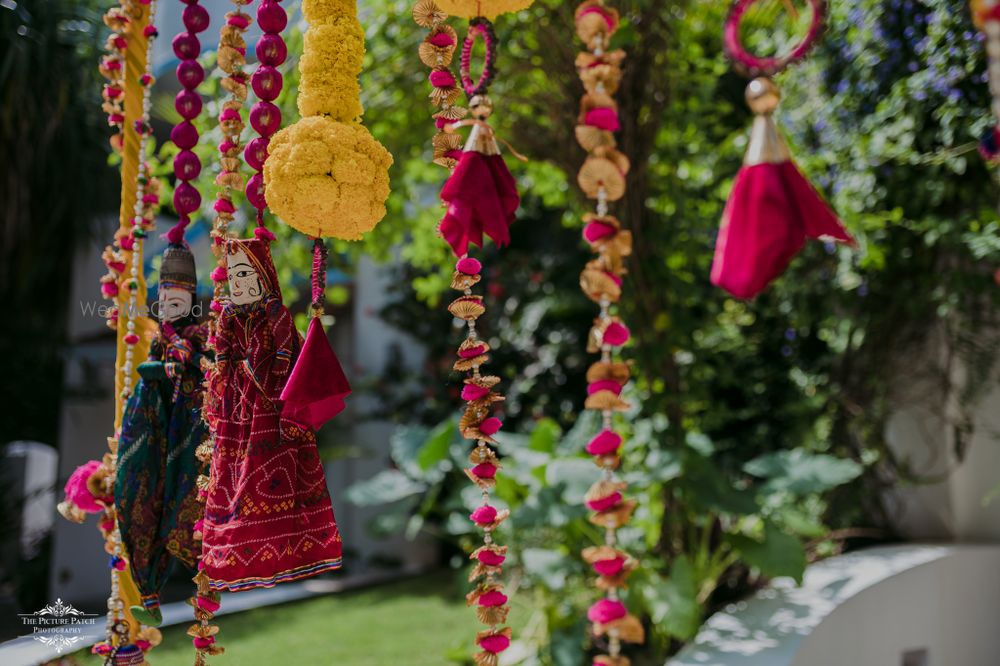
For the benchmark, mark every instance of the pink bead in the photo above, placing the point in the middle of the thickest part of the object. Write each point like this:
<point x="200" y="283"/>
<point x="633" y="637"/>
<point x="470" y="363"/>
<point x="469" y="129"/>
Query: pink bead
<point x="187" y="166"/>
<point x="472" y="352"/>
<point x="216" y="306"/>
<point x="610" y="567"/>
<point x="604" y="118"/>
<point x="271" y="17"/>
<point x="224" y="206"/>
<point x="116" y="118"/>
<point x="187" y="199"/>
<point x="495" y="643"/>
<point x="484" y="515"/>
<point x="131" y="339"/>
<point x="112" y="91"/>
<point x="255" y="191"/>
<point x="195" y="18"/>
<point x="190" y="74"/>
<point x="616" y="334"/>
<point x="202" y="643"/>
<point x="605" y="503"/>
<point x="441" y="123"/>
<point x="468" y="266"/>
<point x="226" y="146"/>
<point x="266" y="82"/>
<point x="186" y="46"/>
<point x="256" y="153"/>
<point x="208" y="604"/>
<point x="604" y="385"/>
<point x="485" y="470"/>
<point x="109" y="289"/>
<point x="606" y="610"/>
<point x="604" y="443"/>
<point x="442" y="79"/>
<point x="120" y="42"/>
<point x="271" y="50"/>
<point x="490" y="559"/>
<point x="184" y="135"/>
<point x="150" y="32"/>
<point x="219" y="274"/>
<point x="472" y="392"/>
<point x="595" y="231"/>
<point x="229" y="115"/>
<point x="188" y="104"/>
<point x="265" y="118"/>
<point x="490" y="426"/>
<point x="127" y="243"/>
<point x="492" y="598"/>
<point x="143" y="645"/>
<point x="239" y="21"/>
<point x="442" y="39"/>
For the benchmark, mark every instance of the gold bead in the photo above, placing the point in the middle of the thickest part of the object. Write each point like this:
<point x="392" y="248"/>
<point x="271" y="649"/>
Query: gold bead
<point x="762" y="95"/>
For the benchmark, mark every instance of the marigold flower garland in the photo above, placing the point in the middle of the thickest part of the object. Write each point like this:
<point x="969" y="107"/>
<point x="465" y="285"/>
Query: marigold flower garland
<point x="602" y="178"/>
<point x="326" y="174"/>
<point x="479" y="178"/>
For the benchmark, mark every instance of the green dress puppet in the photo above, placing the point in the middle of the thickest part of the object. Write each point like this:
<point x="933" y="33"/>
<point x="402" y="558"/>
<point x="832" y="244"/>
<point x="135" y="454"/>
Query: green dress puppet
<point x="156" y="494"/>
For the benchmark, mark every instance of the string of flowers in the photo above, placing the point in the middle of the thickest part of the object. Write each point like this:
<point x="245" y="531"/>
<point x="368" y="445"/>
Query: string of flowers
<point x="124" y="260"/>
<point x="986" y="15"/>
<point x="231" y="58"/>
<point x="190" y="74"/>
<point x="481" y="198"/>
<point x="602" y="178"/>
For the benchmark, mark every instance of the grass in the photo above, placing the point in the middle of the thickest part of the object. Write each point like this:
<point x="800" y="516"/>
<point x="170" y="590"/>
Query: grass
<point x="415" y="622"/>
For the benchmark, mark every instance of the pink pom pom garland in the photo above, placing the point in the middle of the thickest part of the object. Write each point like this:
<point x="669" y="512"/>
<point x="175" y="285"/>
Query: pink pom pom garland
<point x="601" y="281"/>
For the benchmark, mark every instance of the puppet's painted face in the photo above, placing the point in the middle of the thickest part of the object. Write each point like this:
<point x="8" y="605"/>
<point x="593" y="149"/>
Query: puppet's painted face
<point x="173" y="304"/>
<point x="245" y="285"/>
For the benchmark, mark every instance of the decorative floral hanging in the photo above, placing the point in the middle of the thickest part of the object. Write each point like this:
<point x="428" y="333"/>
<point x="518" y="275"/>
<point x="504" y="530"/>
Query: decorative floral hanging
<point x="986" y="15"/>
<point x="772" y="208"/>
<point x="602" y="178"/>
<point x="481" y="198"/>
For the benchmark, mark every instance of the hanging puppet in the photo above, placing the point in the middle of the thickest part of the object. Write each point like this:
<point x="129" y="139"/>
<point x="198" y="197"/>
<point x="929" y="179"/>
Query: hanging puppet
<point x="772" y="208"/>
<point x="156" y="495"/>
<point x="268" y="517"/>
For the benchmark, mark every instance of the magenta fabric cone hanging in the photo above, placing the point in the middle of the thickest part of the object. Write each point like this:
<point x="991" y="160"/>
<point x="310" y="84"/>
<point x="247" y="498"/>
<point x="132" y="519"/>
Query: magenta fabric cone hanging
<point x="317" y="387"/>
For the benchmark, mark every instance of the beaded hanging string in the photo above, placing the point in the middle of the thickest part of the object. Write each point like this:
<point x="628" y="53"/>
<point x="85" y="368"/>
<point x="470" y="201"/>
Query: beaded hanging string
<point x="231" y="58"/>
<point x="602" y="179"/>
<point x="190" y="74"/>
<point x="478" y="422"/>
<point x="127" y="95"/>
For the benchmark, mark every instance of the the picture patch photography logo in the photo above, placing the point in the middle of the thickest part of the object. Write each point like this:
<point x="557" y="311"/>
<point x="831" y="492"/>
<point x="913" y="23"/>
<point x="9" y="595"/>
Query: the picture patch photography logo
<point x="58" y="625"/>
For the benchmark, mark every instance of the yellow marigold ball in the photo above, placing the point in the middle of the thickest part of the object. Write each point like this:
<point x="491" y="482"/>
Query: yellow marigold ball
<point x="331" y="61"/>
<point x="488" y="8"/>
<point x="327" y="178"/>
<point x="320" y="11"/>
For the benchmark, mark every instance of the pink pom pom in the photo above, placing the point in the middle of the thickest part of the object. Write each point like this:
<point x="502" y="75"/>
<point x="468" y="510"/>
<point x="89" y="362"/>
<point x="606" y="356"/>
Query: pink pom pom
<point x="266" y="82"/>
<point x="117" y="266"/>
<point x="152" y="199"/>
<point x="604" y="443"/>
<point x="468" y="266"/>
<point x="143" y="645"/>
<point x="442" y="79"/>
<point x="188" y="104"/>
<point x="472" y="352"/>
<point x="109" y="289"/>
<point x="102" y="649"/>
<point x="190" y="74"/>
<point x="256" y="153"/>
<point x="490" y="559"/>
<point x="265" y="118"/>
<point x="203" y="642"/>
<point x="441" y="123"/>
<point x="187" y="166"/>
<point x="127" y="243"/>
<point x="490" y="426"/>
<point x="609" y="567"/>
<point x="605" y="503"/>
<point x="255" y="191"/>
<point x="603" y="117"/>
<point x="176" y="234"/>
<point x="608" y="18"/>
<point x="199" y="526"/>
<point x="441" y="39"/>
<point x="492" y="598"/>
<point x="229" y="115"/>
<point x="271" y="50"/>
<point x="112" y="91"/>
<point x="107" y="525"/>
<point x="240" y="21"/>
<point x="76" y="489"/>
<point x="219" y="274"/>
<point x="595" y="231"/>
<point x="472" y="392"/>
<point x="606" y="610"/>
<point x="484" y="515"/>
<point x="131" y="339"/>
<point x="271" y="17"/>
<point x="195" y="18"/>
<point x="264" y="233"/>
<point x="616" y="334"/>
<point x="184" y="135"/>
<point x="150" y="31"/>
<point x="116" y="118"/>
<point x="495" y="643"/>
<point x="215" y="306"/>
<point x="119" y="564"/>
<point x="224" y="206"/>
<point x="186" y="46"/>
<point x="485" y="470"/>
<point x="604" y="385"/>
<point x="120" y="42"/>
<point x="207" y="604"/>
<point x="226" y="146"/>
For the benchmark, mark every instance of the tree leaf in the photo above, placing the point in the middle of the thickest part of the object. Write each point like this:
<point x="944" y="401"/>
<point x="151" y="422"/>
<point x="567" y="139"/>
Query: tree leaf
<point x="545" y="436"/>
<point x="803" y="473"/>
<point x="779" y="554"/>
<point x="673" y="603"/>
<point x="388" y="486"/>
<point x="435" y="449"/>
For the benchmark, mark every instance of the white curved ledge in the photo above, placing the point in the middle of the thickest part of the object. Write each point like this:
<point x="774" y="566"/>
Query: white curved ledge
<point x="912" y="605"/>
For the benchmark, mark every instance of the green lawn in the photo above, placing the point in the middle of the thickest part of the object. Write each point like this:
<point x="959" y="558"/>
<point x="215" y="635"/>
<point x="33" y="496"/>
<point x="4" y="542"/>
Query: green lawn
<point x="413" y="622"/>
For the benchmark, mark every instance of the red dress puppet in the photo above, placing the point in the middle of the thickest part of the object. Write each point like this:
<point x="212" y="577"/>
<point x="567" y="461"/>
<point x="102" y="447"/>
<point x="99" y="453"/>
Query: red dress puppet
<point x="268" y="517"/>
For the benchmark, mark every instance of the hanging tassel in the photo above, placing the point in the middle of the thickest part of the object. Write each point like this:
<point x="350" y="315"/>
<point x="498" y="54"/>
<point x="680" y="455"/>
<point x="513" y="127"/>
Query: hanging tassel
<point x="772" y="208"/>
<point x="317" y="387"/>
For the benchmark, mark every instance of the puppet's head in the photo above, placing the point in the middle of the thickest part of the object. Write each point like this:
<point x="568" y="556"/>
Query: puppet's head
<point x="178" y="284"/>
<point x="250" y="270"/>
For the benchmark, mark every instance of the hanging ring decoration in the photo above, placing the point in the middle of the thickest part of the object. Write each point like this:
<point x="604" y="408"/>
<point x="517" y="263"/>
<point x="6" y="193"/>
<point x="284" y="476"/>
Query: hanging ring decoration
<point x="752" y="64"/>
<point x="479" y="28"/>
